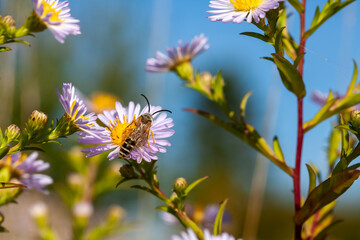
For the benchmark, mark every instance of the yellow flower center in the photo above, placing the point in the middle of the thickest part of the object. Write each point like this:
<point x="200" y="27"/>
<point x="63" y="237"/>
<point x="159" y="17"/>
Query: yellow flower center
<point x="73" y="114"/>
<point x="103" y="101"/>
<point x="246" y="5"/>
<point x="120" y="131"/>
<point x="48" y="8"/>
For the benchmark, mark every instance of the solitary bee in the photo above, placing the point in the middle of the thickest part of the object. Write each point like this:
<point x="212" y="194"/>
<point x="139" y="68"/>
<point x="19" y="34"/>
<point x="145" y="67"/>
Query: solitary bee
<point x="139" y="132"/>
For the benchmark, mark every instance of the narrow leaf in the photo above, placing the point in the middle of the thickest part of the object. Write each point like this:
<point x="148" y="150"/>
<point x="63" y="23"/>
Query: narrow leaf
<point x="277" y="149"/>
<point x="312" y="178"/>
<point x="258" y="36"/>
<point x="290" y="76"/>
<point x="325" y="193"/>
<point x="297" y="5"/>
<point x="193" y="185"/>
<point x="321" y="235"/>
<point x="243" y="106"/>
<point x="219" y="217"/>
<point x="4" y="185"/>
<point x="353" y="80"/>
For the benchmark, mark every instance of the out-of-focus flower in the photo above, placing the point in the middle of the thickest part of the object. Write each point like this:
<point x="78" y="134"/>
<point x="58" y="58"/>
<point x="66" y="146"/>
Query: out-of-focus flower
<point x="25" y="169"/>
<point x="55" y="16"/>
<point x="100" y="101"/>
<point x="190" y="235"/>
<point x="75" y="109"/>
<point x="83" y="209"/>
<point x="38" y="210"/>
<point x="177" y="55"/>
<point x="120" y="123"/>
<point x="237" y="10"/>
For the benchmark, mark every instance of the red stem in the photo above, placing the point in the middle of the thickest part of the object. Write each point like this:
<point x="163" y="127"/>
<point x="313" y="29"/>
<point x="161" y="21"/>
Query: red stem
<point x="300" y="133"/>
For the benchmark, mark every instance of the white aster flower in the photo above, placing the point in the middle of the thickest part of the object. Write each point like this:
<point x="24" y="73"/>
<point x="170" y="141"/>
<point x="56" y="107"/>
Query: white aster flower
<point x="237" y="10"/>
<point x="56" y="16"/>
<point x="190" y="235"/>
<point x="177" y="55"/>
<point x="119" y="124"/>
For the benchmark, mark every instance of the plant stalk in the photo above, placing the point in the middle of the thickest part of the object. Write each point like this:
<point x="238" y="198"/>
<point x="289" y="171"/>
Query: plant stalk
<point x="300" y="132"/>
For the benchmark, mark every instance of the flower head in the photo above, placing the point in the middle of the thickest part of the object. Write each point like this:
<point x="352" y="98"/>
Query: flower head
<point x="75" y="108"/>
<point x="120" y="123"/>
<point x="177" y="55"/>
<point x="237" y="10"/>
<point x="56" y="17"/>
<point x="190" y="235"/>
<point x="100" y="101"/>
<point x="25" y="168"/>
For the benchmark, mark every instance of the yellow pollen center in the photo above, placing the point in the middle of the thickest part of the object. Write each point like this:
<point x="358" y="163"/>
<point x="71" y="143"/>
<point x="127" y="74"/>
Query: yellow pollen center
<point x="120" y="131"/>
<point x="48" y="8"/>
<point x="246" y="5"/>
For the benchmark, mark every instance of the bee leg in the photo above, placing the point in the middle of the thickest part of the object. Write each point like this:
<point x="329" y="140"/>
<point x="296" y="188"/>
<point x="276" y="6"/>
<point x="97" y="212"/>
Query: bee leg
<point x="152" y="134"/>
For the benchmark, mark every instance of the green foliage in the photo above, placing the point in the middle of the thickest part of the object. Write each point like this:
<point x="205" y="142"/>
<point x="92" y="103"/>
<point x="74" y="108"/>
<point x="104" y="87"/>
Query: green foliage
<point x="321" y="16"/>
<point x="312" y="178"/>
<point x="219" y="216"/>
<point x="290" y="76"/>
<point x="325" y="193"/>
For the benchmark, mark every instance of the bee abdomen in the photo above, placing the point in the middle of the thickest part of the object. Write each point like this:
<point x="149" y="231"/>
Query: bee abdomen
<point x="126" y="148"/>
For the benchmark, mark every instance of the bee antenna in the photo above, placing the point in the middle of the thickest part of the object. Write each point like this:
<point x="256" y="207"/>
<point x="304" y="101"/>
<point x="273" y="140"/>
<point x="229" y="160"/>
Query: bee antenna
<point x="162" y="110"/>
<point x="146" y="101"/>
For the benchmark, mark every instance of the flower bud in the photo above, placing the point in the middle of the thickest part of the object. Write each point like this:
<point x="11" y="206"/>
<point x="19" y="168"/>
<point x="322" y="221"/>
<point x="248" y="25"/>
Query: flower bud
<point x="180" y="185"/>
<point x="12" y="133"/>
<point x="37" y="121"/>
<point x="34" y="23"/>
<point x="127" y="171"/>
<point x="9" y="21"/>
<point x="355" y="120"/>
<point x="205" y="79"/>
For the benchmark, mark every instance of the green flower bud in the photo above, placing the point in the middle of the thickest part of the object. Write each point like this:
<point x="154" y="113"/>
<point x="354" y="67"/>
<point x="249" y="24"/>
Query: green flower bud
<point x="184" y="70"/>
<point x="12" y="133"/>
<point x="127" y="171"/>
<point x="37" y="121"/>
<point x="180" y="185"/>
<point x="8" y="21"/>
<point x="355" y="120"/>
<point x="205" y="79"/>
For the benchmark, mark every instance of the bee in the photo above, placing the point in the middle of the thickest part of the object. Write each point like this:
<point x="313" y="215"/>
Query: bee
<point x="140" y="132"/>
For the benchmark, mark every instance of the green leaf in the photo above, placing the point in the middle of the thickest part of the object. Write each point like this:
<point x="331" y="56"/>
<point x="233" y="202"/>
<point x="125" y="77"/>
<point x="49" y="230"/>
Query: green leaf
<point x="5" y="49"/>
<point x="312" y="178"/>
<point x="297" y="5"/>
<point x="4" y="185"/>
<point x="353" y="80"/>
<point x="321" y="235"/>
<point x="269" y="59"/>
<point x="243" y="106"/>
<point x="278" y="45"/>
<point x="219" y="216"/>
<point x="262" y="37"/>
<point x="193" y="185"/>
<point x="325" y="193"/>
<point x="298" y="58"/>
<point x="329" y="10"/>
<point x="277" y="149"/>
<point x="249" y="135"/>
<point x="333" y="149"/>
<point x="146" y="189"/>
<point x="290" y="76"/>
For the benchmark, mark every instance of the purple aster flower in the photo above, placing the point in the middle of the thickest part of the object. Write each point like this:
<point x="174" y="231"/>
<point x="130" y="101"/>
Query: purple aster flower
<point x="190" y="235"/>
<point x="177" y="55"/>
<point x="237" y="10"/>
<point x="26" y="168"/>
<point x="75" y="108"/>
<point x="56" y="16"/>
<point x="120" y="123"/>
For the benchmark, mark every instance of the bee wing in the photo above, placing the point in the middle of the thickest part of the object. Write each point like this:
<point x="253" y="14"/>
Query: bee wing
<point x="129" y="129"/>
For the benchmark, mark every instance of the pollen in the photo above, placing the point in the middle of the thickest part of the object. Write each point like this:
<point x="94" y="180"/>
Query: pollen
<point x="246" y="5"/>
<point x="50" y="10"/>
<point x="120" y="131"/>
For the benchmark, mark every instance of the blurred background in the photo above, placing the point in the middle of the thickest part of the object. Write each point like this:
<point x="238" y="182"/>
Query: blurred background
<point x="109" y="56"/>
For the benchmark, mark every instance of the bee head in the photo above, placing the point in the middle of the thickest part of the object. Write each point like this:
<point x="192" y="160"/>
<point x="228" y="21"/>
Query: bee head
<point x="146" y="118"/>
